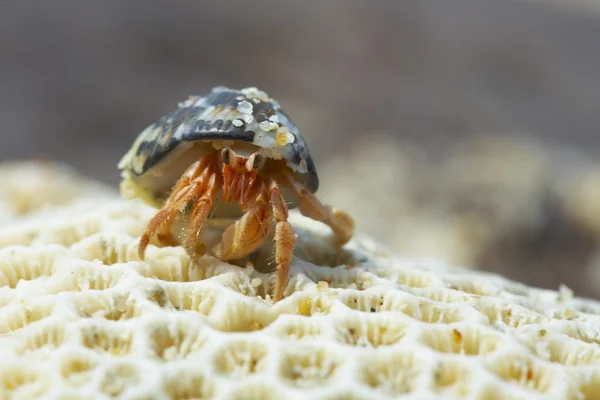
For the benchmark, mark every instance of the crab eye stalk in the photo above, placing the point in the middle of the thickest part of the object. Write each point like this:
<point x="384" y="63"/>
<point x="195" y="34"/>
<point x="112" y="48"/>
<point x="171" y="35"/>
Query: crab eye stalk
<point x="225" y="156"/>
<point x="258" y="161"/>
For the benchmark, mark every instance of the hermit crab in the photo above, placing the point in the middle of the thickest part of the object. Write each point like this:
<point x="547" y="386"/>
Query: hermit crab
<point x="230" y="159"/>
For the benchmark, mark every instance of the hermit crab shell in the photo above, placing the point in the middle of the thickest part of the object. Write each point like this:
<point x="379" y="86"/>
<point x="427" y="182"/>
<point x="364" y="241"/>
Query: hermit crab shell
<point x="201" y="124"/>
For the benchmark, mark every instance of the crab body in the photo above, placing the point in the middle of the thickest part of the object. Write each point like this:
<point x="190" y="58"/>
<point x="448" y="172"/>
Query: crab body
<point x="231" y="158"/>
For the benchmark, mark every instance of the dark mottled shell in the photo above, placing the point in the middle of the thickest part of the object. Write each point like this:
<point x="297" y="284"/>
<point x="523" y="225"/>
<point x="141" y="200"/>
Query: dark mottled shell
<point x="248" y="115"/>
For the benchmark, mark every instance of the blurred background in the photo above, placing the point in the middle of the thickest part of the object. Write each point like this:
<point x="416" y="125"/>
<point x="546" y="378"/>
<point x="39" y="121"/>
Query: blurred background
<point x="464" y="130"/>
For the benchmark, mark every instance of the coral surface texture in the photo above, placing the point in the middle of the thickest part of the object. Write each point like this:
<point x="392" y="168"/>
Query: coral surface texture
<point x="81" y="317"/>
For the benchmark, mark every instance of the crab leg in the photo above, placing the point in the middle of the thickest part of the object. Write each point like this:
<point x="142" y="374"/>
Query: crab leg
<point x="197" y="222"/>
<point x="339" y="221"/>
<point x="163" y="233"/>
<point x="183" y="192"/>
<point x="246" y="234"/>
<point x="285" y="239"/>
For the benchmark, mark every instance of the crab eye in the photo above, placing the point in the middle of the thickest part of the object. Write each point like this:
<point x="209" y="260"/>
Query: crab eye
<point x="258" y="161"/>
<point x="225" y="156"/>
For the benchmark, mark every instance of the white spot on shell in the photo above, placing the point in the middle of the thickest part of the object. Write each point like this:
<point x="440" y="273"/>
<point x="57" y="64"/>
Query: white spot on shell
<point x="256" y="101"/>
<point x="290" y="138"/>
<point x="267" y="126"/>
<point x="274" y="118"/>
<point x="302" y="167"/>
<point x="248" y="118"/>
<point x="265" y="141"/>
<point x="138" y="163"/>
<point x="237" y="122"/>
<point x="200" y="101"/>
<point x="186" y="103"/>
<point x="245" y="107"/>
<point x="253" y="92"/>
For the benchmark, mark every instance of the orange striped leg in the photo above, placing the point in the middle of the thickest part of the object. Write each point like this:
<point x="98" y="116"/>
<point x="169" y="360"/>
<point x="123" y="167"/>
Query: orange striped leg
<point x="285" y="238"/>
<point x="183" y="192"/>
<point x="202" y="207"/>
<point x="339" y="221"/>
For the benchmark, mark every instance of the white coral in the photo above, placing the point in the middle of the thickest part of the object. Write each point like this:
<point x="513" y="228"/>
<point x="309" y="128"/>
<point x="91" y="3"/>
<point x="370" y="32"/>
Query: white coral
<point x="82" y="317"/>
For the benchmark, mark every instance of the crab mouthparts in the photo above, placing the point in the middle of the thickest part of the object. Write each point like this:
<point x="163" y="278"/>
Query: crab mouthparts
<point x="237" y="185"/>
